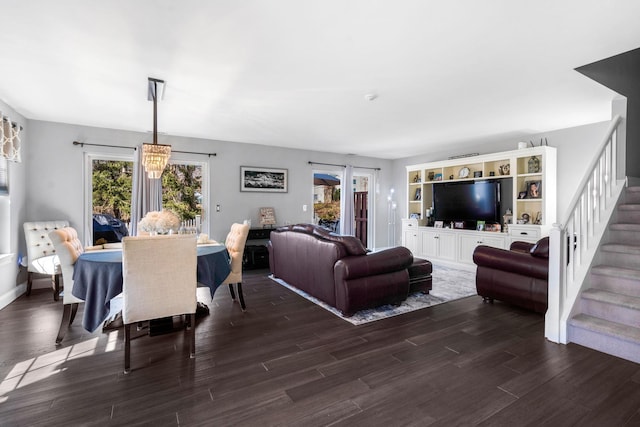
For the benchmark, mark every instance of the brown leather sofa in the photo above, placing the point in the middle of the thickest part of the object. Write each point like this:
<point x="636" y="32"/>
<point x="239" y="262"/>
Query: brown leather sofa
<point x="338" y="269"/>
<point x="517" y="276"/>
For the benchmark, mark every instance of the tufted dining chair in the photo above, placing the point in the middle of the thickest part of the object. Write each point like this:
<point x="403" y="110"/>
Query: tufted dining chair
<point x="41" y="256"/>
<point x="68" y="248"/>
<point x="159" y="280"/>
<point x="235" y="243"/>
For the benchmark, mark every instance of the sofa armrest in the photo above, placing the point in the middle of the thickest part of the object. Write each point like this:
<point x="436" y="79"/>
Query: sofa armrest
<point x="371" y="264"/>
<point x="521" y="246"/>
<point x="511" y="261"/>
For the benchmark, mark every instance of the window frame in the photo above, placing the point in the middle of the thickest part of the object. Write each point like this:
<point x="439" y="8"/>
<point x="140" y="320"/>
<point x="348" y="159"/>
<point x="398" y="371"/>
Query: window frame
<point x="90" y="156"/>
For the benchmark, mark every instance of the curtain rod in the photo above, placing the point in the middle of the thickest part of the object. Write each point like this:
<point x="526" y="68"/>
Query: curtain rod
<point x="343" y="166"/>
<point x="82" y="144"/>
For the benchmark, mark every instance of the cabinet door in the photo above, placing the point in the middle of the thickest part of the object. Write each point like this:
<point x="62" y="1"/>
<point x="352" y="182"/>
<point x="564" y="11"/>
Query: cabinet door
<point x="429" y="240"/>
<point x="467" y="245"/>
<point x="410" y="240"/>
<point x="439" y="244"/>
<point x="447" y="248"/>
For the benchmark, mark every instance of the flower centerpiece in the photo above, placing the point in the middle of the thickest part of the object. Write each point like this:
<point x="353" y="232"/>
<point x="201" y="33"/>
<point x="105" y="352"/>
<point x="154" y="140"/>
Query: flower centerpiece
<point x="159" y="222"/>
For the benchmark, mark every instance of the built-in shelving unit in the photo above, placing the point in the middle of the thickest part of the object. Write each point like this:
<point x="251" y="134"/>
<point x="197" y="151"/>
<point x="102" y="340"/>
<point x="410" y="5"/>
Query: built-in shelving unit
<point x="531" y="199"/>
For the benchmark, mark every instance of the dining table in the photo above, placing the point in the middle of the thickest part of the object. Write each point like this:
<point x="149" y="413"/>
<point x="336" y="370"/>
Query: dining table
<point x="97" y="279"/>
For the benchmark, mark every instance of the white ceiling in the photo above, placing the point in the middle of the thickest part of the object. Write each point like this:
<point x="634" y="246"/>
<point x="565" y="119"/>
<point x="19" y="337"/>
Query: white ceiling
<point x="294" y="73"/>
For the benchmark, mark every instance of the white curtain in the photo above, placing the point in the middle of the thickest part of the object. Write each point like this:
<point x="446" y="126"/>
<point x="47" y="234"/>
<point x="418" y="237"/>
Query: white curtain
<point x="347" y="215"/>
<point x="146" y="194"/>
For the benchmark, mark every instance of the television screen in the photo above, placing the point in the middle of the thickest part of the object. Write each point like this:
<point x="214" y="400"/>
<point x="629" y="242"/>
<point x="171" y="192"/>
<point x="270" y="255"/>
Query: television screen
<point x="468" y="201"/>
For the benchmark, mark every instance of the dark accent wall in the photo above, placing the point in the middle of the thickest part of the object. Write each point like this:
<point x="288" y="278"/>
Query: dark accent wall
<point x="621" y="73"/>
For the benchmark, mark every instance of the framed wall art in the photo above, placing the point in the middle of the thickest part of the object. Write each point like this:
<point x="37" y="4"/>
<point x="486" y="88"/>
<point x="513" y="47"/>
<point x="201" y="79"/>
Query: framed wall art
<point x="269" y="180"/>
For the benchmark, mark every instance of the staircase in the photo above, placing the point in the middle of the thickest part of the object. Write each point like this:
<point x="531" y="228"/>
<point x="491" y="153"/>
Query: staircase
<point x="609" y="311"/>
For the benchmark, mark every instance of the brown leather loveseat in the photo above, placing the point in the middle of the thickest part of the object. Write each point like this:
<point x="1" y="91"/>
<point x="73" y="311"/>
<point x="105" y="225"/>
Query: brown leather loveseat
<point x="337" y="269"/>
<point x="518" y="276"/>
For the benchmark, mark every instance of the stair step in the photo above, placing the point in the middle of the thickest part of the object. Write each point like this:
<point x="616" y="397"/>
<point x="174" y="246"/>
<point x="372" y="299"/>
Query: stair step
<point x="629" y="213"/>
<point x="606" y="327"/>
<point x="620" y="255"/>
<point x="605" y="336"/>
<point x="633" y="195"/>
<point x="621" y="248"/>
<point x="612" y="298"/>
<point x="625" y="233"/>
<point x="625" y="273"/>
<point x="612" y="306"/>
<point x="625" y="227"/>
<point x="616" y="279"/>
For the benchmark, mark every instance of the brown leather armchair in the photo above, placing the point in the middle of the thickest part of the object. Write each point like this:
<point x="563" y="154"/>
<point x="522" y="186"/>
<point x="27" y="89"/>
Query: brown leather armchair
<point x="517" y="276"/>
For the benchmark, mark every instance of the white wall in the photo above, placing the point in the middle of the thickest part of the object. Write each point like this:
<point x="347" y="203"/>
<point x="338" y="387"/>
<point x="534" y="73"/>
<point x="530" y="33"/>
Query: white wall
<point x="12" y="214"/>
<point x="55" y="191"/>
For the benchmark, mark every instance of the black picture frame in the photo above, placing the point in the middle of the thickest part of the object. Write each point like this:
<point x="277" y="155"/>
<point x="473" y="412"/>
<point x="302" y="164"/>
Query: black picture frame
<point x="522" y="195"/>
<point x="265" y="180"/>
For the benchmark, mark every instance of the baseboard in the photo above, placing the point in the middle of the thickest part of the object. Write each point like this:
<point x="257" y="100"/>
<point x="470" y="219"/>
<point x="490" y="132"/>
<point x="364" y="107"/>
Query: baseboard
<point x="12" y="295"/>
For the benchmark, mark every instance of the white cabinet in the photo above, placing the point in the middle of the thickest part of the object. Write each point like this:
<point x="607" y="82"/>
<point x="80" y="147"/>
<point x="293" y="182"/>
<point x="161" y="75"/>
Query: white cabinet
<point x="527" y="180"/>
<point x="467" y="243"/>
<point x="410" y="238"/>
<point x="448" y="244"/>
<point x="530" y="174"/>
<point x="438" y="243"/>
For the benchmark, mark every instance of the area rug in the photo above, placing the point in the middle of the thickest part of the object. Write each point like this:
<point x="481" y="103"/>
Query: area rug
<point x="448" y="284"/>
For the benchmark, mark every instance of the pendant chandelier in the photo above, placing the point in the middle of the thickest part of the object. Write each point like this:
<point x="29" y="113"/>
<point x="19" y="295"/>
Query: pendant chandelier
<point x="155" y="156"/>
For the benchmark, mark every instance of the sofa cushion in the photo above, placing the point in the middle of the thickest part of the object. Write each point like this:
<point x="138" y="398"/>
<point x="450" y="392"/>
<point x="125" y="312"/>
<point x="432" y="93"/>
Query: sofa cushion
<point x="352" y="245"/>
<point x="541" y="248"/>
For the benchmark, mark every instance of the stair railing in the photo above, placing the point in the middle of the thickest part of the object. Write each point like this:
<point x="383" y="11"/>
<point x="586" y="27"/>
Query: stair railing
<point x="573" y="242"/>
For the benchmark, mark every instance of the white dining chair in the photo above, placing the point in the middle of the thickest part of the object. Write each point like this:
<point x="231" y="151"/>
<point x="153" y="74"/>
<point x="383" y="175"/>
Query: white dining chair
<point x="41" y="256"/>
<point x="235" y="243"/>
<point x="68" y="248"/>
<point x="159" y="280"/>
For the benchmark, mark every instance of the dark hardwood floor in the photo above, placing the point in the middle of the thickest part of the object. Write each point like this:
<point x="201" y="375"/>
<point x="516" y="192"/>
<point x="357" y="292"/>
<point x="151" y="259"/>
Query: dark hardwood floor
<point x="288" y="362"/>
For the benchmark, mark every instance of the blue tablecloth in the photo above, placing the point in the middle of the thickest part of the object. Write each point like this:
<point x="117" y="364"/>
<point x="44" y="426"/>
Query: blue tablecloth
<point x="97" y="279"/>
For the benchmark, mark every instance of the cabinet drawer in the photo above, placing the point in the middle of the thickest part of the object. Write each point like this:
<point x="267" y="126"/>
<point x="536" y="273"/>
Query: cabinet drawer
<point x="524" y="232"/>
<point x="410" y="223"/>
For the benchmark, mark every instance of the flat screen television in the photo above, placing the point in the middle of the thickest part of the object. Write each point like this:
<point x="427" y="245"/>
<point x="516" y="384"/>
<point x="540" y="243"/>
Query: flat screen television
<point x="468" y="201"/>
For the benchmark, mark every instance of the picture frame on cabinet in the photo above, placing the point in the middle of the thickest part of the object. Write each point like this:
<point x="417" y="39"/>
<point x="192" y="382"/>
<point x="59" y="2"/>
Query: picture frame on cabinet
<point x="418" y="195"/>
<point x="438" y="224"/>
<point x="493" y="227"/>
<point x="522" y="195"/>
<point x="534" y="190"/>
<point x="414" y="216"/>
<point x="480" y="225"/>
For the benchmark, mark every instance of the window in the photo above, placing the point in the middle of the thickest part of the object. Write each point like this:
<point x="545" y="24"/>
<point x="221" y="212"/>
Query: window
<point x="109" y="183"/>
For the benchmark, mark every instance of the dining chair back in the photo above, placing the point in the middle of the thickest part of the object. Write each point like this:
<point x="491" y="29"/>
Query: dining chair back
<point x="41" y="256"/>
<point x="159" y="280"/>
<point x="235" y="243"/>
<point x="68" y="248"/>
